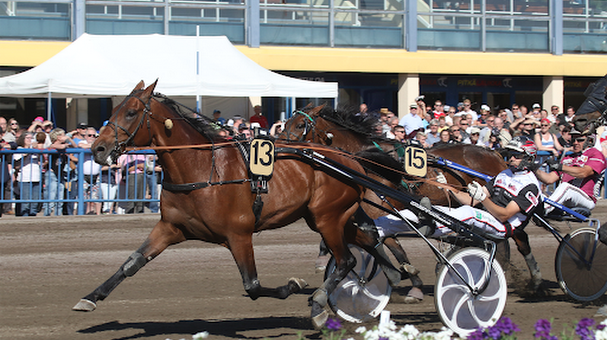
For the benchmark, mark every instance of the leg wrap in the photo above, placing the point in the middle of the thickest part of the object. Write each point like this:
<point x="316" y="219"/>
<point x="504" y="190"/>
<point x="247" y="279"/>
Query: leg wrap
<point x="534" y="268"/>
<point x="133" y="264"/>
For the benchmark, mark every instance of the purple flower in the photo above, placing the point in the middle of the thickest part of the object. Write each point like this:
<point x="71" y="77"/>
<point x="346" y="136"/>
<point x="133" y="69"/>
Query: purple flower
<point x="542" y="329"/>
<point x="333" y="324"/>
<point x="506" y="326"/>
<point x="600" y="327"/>
<point x="583" y="329"/>
<point x="476" y="335"/>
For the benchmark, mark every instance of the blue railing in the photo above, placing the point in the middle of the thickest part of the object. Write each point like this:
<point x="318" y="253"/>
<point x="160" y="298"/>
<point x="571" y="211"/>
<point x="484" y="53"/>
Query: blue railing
<point x="70" y="182"/>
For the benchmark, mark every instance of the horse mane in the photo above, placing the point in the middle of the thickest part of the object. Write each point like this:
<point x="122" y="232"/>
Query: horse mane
<point x="200" y="123"/>
<point x="596" y="98"/>
<point x="348" y="118"/>
<point x="382" y="164"/>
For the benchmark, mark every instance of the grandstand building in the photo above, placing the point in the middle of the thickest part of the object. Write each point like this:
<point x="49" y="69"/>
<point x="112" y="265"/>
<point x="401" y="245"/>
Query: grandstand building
<point x="382" y="52"/>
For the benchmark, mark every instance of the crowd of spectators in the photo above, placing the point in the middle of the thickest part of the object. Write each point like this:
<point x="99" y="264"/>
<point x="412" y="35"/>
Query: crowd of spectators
<point x="551" y="130"/>
<point x="53" y="176"/>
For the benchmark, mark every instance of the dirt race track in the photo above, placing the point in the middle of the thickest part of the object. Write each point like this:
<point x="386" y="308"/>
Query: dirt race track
<point x="48" y="264"/>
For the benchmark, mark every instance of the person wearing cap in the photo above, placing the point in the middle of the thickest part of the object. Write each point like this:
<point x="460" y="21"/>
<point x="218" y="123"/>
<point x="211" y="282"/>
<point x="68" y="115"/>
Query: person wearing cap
<point x="217" y="118"/>
<point x="412" y="122"/>
<point x="36" y="125"/>
<point x="475" y="134"/>
<point x="79" y="134"/>
<point x="244" y="131"/>
<point x="577" y="172"/>
<point x="536" y="108"/>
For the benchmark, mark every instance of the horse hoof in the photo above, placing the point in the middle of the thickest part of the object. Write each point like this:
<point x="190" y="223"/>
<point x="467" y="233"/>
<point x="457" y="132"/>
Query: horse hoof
<point x="85" y="306"/>
<point x="319" y="320"/>
<point x="300" y="283"/>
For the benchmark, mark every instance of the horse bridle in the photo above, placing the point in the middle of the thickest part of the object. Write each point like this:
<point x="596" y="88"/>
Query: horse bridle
<point x="309" y="127"/>
<point x="119" y="147"/>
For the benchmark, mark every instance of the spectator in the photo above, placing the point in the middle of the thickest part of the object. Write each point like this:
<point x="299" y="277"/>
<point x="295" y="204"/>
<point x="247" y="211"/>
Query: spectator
<point x="28" y="175"/>
<point x="420" y="137"/>
<point x="276" y="128"/>
<point x="238" y="121"/>
<point x="399" y="133"/>
<point x="54" y="187"/>
<point x="464" y="125"/>
<point x="578" y="174"/>
<point x="108" y="186"/>
<point x="439" y="109"/>
<point x="132" y="172"/>
<point x="36" y="125"/>
<point x="494" y="142"/>
<point x="432" y="133"/>
<point x="244" y="131"/>
<point x="152" y="177"/>
<point x="456" y="134"/>
<point x="565" y="138"/>
<point x="445" y="137"/>
<point x="451" y="111"/>
<point x="475" y="136"/>
<point x="259" y="118"/>
<point x="501" y="131"/>
<point x="217" y="118"/>
<point x="468" y="110"/>
<point x="78" y="135"/>
<point x="91" y="171"/>
<point x="412" y="122"/>
<point x="11" y="133"/>
<point x="547" y="143"/>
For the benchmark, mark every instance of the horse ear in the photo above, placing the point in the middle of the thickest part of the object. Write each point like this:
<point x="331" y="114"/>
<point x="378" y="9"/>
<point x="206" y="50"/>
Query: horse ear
<point x="138" y="87"/>
<point x="316" y="110"/>
<point x="149" y="91"/>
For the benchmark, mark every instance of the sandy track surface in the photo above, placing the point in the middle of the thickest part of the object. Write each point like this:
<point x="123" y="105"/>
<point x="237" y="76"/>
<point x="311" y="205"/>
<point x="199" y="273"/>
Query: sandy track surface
<point x="48" y="264"/>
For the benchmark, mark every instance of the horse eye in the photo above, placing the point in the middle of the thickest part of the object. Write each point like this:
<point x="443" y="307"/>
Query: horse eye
<point x="131" y="113"/>
<point x="301" y="125"/>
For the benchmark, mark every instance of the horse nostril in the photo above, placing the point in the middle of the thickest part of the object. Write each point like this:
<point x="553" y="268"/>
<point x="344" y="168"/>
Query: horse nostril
<point x="100" y="149"/>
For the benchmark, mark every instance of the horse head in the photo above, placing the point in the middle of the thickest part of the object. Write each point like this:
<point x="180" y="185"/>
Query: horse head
<point x="126" y="125"/>
<point x="593" y="111"/>
<point x="302" y="126"/>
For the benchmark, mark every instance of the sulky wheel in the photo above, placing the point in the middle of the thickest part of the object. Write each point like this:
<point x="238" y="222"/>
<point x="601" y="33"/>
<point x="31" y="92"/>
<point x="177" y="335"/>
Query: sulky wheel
<point x="578" y="279"/>
<point x="458" y="308"/>
<point x="364" y="292"/>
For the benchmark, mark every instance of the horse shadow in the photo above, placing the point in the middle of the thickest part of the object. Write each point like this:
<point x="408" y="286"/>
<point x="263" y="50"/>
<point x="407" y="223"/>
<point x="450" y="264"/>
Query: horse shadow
<point x="226" y="328"/>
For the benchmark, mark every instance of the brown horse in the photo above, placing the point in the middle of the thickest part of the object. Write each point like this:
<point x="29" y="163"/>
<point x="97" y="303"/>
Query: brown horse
<point x="207" y="195"/>
<point x="345" y="130"/>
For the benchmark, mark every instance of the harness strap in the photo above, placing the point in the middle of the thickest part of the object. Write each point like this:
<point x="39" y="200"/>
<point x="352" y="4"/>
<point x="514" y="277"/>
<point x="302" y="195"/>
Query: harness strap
<point x="198" y="185"/>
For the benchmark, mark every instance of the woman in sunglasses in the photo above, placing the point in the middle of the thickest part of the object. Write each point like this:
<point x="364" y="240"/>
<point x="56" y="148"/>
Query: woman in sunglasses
<point x="578" y="173"/>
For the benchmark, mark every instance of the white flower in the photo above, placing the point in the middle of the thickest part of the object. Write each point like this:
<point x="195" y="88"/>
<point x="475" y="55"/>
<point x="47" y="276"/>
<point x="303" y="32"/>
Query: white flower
<point x="201" y="335"/>
<point x="361" y="329"/>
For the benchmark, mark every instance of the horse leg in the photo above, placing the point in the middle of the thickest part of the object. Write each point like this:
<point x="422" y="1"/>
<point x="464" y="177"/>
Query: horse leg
<point x="163" y="235"/>
<point x="521" y="239"/>
<point x="241" y="247"/>
<point x="323" y="258"/>
<point x="415" y="295"/>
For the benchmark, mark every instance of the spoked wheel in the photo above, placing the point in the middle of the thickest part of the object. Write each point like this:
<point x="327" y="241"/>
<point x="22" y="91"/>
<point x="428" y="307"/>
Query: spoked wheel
<point x="363" y="293"/>
<point x="578" y="279"/>
<point x="457" y="307"/>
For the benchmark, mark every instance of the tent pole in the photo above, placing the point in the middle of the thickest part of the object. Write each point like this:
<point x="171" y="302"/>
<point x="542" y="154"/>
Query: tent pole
<point x="48" y="106"/>
<point x="198" y="109"/>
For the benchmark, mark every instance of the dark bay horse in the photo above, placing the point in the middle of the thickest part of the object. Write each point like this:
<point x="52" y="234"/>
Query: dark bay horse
<point x="207" y="195"/>
<point x="346" y="130"/>
<point x="593" y="111"/>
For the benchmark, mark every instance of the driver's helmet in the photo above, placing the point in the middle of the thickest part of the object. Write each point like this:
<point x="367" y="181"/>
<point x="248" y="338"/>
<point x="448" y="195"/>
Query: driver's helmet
<point x="522" y="145"/>
<point x="522" y="148"/>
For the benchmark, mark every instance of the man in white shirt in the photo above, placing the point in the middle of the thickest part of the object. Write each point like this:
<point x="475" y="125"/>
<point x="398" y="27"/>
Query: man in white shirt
<point x="412" y="122"/>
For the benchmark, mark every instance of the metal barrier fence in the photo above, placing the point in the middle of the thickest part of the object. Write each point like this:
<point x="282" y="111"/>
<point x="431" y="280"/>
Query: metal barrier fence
<point x="70" y="182"/>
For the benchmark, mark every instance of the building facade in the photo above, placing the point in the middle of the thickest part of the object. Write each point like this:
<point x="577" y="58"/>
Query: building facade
<point x="382" y="52"/>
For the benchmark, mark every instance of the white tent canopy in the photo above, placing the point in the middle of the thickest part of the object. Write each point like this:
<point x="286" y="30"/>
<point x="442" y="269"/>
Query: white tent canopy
<point x="105" y="66"/>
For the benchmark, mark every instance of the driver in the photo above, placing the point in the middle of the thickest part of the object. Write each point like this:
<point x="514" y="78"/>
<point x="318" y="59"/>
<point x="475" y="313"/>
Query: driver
<point x="508" y="199"/>
<point x="578" y="173"/>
